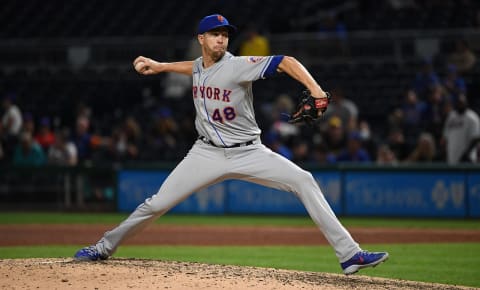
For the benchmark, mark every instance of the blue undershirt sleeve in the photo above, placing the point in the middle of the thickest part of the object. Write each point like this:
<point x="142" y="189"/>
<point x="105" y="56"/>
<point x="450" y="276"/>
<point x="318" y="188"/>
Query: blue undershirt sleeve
<point x="272" y="67"/>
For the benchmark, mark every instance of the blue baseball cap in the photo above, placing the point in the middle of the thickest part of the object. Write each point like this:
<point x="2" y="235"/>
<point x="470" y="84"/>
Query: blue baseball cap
<point x="214" y="21"/>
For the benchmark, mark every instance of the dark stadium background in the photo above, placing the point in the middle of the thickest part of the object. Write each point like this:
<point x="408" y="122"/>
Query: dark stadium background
<point x="61" y="59"/>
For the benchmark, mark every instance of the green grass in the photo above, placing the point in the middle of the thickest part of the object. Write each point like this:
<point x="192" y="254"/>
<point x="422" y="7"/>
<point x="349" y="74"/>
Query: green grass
<point x="456" y="264"/>
<point x="231" y="220"/>
<point x="440" y="263"/>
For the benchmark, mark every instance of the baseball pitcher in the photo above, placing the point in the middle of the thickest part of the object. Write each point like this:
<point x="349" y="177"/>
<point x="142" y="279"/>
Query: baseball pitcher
<point x="229" y="145"/>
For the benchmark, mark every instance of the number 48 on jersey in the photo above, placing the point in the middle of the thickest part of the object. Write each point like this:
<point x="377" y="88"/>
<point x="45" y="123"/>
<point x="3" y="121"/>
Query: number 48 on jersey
<point x="228" y="113"/>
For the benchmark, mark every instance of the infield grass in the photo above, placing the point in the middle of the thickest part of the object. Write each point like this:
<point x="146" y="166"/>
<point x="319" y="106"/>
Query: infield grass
<point x="456" y="264"/>
<point x="232" y="220"/>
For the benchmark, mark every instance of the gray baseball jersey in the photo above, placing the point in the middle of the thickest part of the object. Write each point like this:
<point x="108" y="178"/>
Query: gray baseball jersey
<point x="223" y="100"/>
<point x="223" y="97"/>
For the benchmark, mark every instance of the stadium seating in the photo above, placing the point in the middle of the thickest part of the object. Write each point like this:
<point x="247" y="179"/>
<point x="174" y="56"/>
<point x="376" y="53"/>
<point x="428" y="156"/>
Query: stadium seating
<point x="47" y="84"/>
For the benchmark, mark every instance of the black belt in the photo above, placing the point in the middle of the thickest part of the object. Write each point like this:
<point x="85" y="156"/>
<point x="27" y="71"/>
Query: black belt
<point x="204" y="139"/>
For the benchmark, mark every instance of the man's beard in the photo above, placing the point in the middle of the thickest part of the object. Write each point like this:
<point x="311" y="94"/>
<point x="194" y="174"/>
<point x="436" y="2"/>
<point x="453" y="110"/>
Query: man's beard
<point x="217" y="55"/>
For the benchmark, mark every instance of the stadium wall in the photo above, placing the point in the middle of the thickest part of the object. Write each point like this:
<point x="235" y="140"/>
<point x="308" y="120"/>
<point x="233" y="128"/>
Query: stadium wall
<point x="413" y="191"/>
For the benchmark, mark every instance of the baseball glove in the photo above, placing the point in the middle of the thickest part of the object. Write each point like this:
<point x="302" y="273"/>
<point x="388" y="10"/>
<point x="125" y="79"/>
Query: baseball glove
<point x="309" y="109"/>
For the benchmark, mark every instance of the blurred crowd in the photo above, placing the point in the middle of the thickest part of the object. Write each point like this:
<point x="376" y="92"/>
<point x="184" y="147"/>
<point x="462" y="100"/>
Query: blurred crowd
<point x="432" y="123"/>
<point x="420" y="130"/>
<point x="28" y="140"/>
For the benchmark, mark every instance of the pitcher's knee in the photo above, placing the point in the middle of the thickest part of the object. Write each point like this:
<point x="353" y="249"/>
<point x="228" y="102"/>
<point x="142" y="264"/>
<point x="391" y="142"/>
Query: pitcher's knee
<point x="308" y="177"/>
<point x="304" y="179"/>
<point x="154" y="205"/>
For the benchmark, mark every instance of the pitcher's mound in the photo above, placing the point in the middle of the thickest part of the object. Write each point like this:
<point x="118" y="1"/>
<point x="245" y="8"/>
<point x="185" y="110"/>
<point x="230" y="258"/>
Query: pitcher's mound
<point x="150" y="274"/>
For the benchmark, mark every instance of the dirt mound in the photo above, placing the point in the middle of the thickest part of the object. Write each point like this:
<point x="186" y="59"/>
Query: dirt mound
<point x="150" y="274"/>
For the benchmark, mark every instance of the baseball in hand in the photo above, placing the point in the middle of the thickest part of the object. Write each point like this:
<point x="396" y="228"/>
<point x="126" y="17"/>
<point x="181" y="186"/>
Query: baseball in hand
<point x="140" y="66"/>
